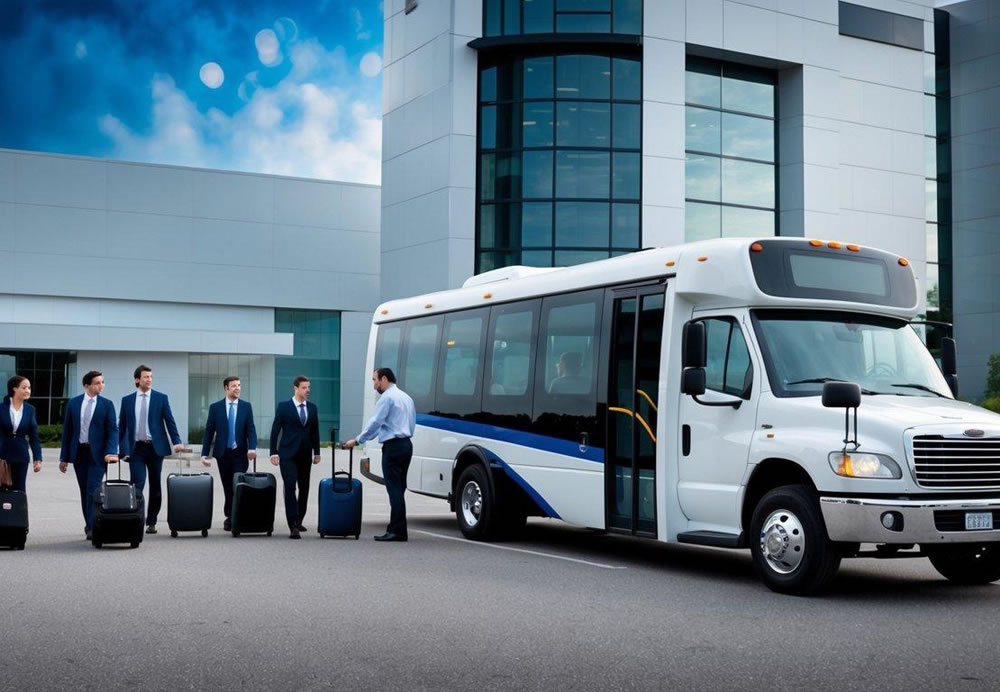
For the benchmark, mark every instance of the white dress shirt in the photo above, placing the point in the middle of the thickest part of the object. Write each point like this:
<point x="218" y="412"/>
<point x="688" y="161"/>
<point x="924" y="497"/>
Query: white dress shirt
<point x="15" y="415"/>
<point x="296" y="402"/>
<point x="138" y="408"/>
<point x="85" y="434"/>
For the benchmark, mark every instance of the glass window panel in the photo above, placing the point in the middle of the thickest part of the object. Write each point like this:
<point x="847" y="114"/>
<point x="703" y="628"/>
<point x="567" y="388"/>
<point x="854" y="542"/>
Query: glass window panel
<point x="625" y="225"/>
<point x="487" y="176"/>
<point x="510" y="357"/>
<point x="537" y="78"/>
<point x="747" y="137"/>
<point x="508" y="225"/>
<point x="387" y="353"/>
<point x="930" y="157"/>
<point x="537" y="124"/>
<point x="537" y="16"/>
<point x="746" y="96"/>
<point x="704" y="132"/>
<point x="486" y="225"/>
<point x="930" y="116"/>
<point x="746" y="223"/>
<point x="537" y="181"/>
<point x="488" y="261"/>
<point x="582" y="224"/>
<point x="511" y="17"/>
<point x="491" y="17"/>
<point x="628" y="16"/>
<point x="703" y="85"/>
<point x="583" y="174"/>
<point x="536" y="224"/>
<point x="702" y="221"/>
<point x="421" y="351"/>
<point x="461" y="358"/>
<point x="932" y="242"/>
<point x="627" y="126"/>
<point x="570" y="358"/>
<point x="930" y="74"/>
<point x="627" y="79"/>
<point x="566" y="258"/>
<point x="508" y="176"/>
<point x="488" y="127"/>
<point x="537" y="258"/>
<point x="583" y="76"/>
<point x="738" y="372"/>
<point x="508" y="80"/>
<point x="508" y="125"/>
<point x="744" y="182"/>
<point x="703" y="177"/>
<point x="488" y="84"/>
<point x="625" y="184"/>
<point x="933" y="289"/>
<point x="930" y="187"/>
<point x="583" y="23"/>
<point x="584" y="5"/>
<point x="583" y="124"/>
<point x="717" y="333"/>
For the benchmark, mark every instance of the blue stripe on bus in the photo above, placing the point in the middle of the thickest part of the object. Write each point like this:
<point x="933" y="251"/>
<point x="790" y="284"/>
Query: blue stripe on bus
<point x="493" y="432"/>
<point x="525" y="486"/>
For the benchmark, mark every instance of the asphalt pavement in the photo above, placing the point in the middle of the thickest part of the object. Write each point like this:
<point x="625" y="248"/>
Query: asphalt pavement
<point x="562" y="608"/>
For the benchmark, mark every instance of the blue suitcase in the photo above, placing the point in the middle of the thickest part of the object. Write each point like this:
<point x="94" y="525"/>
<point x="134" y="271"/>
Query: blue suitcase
<point x="340" y="503"/>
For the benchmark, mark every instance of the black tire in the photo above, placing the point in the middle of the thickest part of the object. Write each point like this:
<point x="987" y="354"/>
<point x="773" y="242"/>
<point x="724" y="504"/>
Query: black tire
<point x="792" y="553"/>
<point x="173" y="534"/>
<point x="236" y="534"/>
<point x="967" y="563"/>
<point x="475" y="506"/>
<point x="204" y="533"/>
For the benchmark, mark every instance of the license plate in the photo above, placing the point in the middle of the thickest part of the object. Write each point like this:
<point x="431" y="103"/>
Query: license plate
<point x="978" y="521"/>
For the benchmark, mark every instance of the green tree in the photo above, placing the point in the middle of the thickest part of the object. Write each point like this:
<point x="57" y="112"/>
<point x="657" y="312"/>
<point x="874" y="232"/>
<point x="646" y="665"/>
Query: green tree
<point x="993" y="377"/>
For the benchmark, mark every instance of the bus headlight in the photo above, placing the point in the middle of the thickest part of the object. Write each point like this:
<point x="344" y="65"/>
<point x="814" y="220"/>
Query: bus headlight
<point x="864" y="465"/>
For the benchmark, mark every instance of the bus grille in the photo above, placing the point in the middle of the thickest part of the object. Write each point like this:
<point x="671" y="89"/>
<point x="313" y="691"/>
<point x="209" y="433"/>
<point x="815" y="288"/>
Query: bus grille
<point x="948" y="462"/>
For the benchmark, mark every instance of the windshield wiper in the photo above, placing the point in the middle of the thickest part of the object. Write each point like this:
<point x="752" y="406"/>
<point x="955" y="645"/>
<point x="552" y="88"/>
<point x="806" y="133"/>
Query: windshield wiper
<point x="823" y="380"/>
<point x="921" y="387"/>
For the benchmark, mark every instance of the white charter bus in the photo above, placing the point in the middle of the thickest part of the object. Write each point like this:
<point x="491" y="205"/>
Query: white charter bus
<point x="705" y="394"/>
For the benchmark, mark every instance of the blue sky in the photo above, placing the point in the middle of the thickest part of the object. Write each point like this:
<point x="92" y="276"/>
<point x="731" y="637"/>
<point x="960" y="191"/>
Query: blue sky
<point x="292" y="88"/>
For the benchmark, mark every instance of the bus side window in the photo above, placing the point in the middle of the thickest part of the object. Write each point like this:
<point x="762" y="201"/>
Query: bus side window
<point x="727" y="368"/>
<point x="459" y="388"/>
<point x="390" y="336"/>
<point x="420" y="361"/>
<point x="510" y="356"/>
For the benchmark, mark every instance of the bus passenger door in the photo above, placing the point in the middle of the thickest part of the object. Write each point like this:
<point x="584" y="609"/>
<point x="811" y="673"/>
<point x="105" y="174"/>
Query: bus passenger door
<point x="636" y="316"/>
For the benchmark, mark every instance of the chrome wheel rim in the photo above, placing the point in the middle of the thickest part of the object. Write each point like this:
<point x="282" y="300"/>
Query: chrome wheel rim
<point x="472" y="503"/>
<point x="782" y="541"/>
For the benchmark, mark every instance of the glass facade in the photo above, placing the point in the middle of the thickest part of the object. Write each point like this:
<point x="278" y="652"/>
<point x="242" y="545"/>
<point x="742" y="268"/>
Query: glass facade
<point x="513" y="17"/>
<point x="937" y="184"/>
<point x="205" y="376"/>
<point x="731" y="134"/>
<point x="317" y="356"/>
<point x="52" y="375"/>
<point x="559" y="158"/>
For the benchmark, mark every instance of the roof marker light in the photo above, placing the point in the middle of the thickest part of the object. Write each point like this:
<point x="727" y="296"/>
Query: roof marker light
<point x="854" y="248"/>
<point x="385" y="311"/>
<point x="756" y="247"/>
<point x="428" y="306"/>
<point x="834" y="245"/>
<point x="903" y="262"/>
<point x="816" y="243"/>
<point x="487" y="295"/>
<point x="670" y="263"/>
<point x="702" y="258"/>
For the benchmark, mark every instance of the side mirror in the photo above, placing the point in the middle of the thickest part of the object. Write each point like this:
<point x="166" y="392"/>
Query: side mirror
<point x="841" y="395"/>
<point x="693" y="346"/>
<point x="949" y="357"/>
<point x="952" y="381"/>
<point x="693" y="381"/>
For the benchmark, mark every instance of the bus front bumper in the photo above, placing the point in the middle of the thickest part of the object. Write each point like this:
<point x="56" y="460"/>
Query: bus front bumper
<point x="927" y="522"/>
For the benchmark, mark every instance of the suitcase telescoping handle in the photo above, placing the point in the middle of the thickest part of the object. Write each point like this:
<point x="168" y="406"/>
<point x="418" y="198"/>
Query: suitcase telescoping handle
<point x="333" y="465"/>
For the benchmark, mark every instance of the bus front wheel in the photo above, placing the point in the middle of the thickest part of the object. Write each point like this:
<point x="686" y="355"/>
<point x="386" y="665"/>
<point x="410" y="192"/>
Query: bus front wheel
<point x="791" y="551"/>
<point x="475" y="509"/>
<point x="972" y="563"/>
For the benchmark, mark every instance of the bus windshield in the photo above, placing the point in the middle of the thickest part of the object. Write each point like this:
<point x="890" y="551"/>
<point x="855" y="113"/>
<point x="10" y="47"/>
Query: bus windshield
<point x="804" y="348"/>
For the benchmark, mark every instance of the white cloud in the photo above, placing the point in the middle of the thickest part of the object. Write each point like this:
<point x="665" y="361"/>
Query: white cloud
<point x="371" y="64"/>
<point x="80" y="50"/>
<point x="211" y="75"/>
<point x="268" y="48"/>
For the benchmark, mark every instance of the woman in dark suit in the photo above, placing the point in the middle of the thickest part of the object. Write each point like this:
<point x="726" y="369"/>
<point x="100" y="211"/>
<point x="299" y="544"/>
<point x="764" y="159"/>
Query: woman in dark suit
<point x="18" y="428"/>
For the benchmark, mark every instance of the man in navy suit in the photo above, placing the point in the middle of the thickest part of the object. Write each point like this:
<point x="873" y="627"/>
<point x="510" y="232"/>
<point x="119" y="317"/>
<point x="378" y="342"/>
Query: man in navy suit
<point x="296" y="422"/>
<point x="89" y="441"/>
<point x="144" y="422"/>
<point x="230" y="424"/>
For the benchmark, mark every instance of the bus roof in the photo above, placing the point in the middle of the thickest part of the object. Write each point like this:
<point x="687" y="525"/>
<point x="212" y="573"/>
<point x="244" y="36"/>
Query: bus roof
<point x="711" y="273"/>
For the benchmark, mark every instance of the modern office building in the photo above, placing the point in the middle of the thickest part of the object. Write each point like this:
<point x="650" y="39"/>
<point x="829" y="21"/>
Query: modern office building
<point x="197" y="273"/>
<point x="551" y="132"/>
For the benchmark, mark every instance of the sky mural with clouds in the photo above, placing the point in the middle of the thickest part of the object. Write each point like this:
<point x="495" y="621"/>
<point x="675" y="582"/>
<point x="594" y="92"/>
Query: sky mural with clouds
<point x="291" y="88"/>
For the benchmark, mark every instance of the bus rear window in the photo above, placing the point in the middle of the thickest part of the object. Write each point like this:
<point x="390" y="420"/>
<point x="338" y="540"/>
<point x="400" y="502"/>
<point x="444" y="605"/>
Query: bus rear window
<point x="839" y="273"/>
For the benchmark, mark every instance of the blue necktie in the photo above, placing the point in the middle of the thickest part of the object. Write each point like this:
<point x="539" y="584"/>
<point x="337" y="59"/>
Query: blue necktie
<point x="232" y="426"/>
<point x="302" y="414"/>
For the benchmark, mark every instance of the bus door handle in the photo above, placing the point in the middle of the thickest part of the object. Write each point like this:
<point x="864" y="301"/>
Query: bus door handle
<point x="584" y="441"/>
<point x="686" y="439"/>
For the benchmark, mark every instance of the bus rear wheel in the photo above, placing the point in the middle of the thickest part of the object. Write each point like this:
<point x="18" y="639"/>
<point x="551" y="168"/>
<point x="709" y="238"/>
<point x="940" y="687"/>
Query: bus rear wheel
<point x="476" y="508"/>
<point x="791" y="551"/>
<point x="972" y="563"/>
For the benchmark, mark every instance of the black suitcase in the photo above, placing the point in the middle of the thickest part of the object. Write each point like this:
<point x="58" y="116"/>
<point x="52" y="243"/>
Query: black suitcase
<point x="119" y="513"/>
<point x="254" y="496"/>
<point x="189" y="501"/>
<point x="13" y="518"/>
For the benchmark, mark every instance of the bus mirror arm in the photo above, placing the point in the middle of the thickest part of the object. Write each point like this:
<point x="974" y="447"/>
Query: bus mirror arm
<point x="949" y="364"/>
<point x="693" y="384"/>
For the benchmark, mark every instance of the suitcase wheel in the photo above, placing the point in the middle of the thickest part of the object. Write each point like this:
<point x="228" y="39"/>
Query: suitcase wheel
<point x="268" y="533"/>
<point x="135" y="544"/>
<point x="204" y="533"/>
<point x="98" y="545"/>
<point x="357" y="536"/>
<point x="173" y="534"/>
<point x="236" y="534"/>
<point x="322" y="535"/>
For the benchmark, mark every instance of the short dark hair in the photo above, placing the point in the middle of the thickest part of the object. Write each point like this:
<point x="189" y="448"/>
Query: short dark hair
<point x="13" y="383"/>
<point x="138" y="373"/>
<point x="387" y="373"/>
<point x="89" y="377"/>
<point x="299" y="380"/>
<point x="231" y="378"/>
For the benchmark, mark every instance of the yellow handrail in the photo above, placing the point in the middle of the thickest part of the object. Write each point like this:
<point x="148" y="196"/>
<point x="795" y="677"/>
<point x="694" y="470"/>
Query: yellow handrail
<point x="639" y="418"/>
<point x="647" y="398"/>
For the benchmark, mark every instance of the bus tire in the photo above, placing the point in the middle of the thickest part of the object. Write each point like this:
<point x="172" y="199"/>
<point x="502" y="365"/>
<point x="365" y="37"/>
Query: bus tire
<point x="791" y="551"/>
<point x="969" y="563"/>
<point x="475" y="506"/>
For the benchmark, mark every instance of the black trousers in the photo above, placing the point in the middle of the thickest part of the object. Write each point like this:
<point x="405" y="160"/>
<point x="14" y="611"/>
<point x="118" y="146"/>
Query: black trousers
<point x="234" y="461"/>
<point x="296" y="472"/>
<point x="396" y="456"/>
<point x="146" y="462"/>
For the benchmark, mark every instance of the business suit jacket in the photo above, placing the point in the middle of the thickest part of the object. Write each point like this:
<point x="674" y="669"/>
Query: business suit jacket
<point x="161" y="423"/>
<point x="103" y="433"/>
<point x="295" y="437"/>
<point x="14" y="443"/>
<point x="217" y="426"/>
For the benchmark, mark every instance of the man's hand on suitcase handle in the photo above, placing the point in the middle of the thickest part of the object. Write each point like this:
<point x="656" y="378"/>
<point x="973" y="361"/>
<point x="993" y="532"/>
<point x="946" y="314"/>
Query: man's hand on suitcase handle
<point x="349" y="444"/>
<point x="316" y="459"/>
<point x="111" y="458"/>
<point x="206" y="461"/>
<point x="274" y="459"/>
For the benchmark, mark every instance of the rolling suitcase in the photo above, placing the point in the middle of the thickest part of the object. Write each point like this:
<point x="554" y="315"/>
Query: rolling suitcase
<point x="254" y="495"/>
<point x="13" y="518"/>
<point x="340" y="498"/>
<point x="189" y="500"/>
<point x="119" y="513"/>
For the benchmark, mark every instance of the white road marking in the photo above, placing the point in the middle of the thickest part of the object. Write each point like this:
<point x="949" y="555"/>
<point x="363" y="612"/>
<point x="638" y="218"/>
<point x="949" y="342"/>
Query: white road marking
<point x="519" y="550"/>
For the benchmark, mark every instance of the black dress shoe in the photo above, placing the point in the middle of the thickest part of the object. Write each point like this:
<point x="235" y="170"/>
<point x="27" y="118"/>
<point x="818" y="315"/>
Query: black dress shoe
<point x="89" y="535"/>
<point x="302" y="528"/>
<point x="227" y="525"/>
<point x="294" y="534"/>
<point x="391" y="537"/>
<point x="151" y="528"/>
